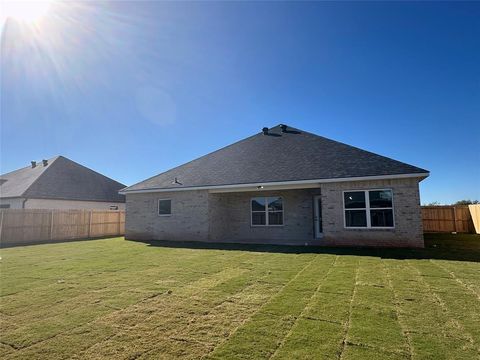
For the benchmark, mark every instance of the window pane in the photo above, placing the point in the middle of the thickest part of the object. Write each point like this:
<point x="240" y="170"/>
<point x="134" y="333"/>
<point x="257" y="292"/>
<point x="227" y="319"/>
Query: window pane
<point x="275" y="203"/>
<point x="164" y="207"/>
<point x="381" y="218"/>
<point x="380" y="198"/>
<point x="275" y="218"/>
<point x="258" y="204"/>
<point x="258" y="218"/>
<point x="355" y="218"/>
<point x="354" y="199"/>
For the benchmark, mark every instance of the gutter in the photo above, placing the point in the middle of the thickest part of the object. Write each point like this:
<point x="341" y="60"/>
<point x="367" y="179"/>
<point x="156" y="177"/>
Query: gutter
<point x="257" y="186"/>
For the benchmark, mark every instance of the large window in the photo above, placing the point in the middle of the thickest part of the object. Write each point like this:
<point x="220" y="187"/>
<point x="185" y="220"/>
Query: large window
<point x="267" y="211"/>
<point x="164" y="207"/>
<point x="368" y="209"/>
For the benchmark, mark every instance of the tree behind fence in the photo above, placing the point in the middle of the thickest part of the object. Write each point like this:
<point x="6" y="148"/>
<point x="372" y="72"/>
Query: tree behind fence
<point x="19" y="226"/>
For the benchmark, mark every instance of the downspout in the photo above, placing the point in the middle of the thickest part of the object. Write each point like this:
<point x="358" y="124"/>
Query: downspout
<point x="23" y="203"/>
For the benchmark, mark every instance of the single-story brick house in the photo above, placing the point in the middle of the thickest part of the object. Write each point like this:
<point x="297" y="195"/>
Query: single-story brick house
<point x="281" y="186"/>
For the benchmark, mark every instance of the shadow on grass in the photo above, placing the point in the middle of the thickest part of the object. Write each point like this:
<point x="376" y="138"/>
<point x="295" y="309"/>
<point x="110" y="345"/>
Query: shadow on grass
<point x="44" y="242"/>
<point x="464" y="247"/>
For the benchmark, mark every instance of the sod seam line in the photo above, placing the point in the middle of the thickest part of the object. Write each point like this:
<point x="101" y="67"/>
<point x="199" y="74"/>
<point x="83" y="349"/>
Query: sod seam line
<point x="260" y="308"/>
<point x="438" y="300"/>
<point x="396" y="303"/>
<point x="376" y="348"/>
<point x="323" y="320"/>
<point x="186" y="300"/>
<point x="90" y="346"/>
<point x="227" y="300"/>
<point x="143" y="300"/>
<point x="82" y="275"/>
<point x="458" y="280"/>
<point x="9" y="345"/>
<point x="305" y="309"/>
<point x="350" y="311"/>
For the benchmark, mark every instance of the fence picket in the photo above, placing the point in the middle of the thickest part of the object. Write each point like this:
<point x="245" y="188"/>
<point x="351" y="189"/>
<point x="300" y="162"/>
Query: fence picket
<point x="27" y="226"/>
<point x="447" y="219"/>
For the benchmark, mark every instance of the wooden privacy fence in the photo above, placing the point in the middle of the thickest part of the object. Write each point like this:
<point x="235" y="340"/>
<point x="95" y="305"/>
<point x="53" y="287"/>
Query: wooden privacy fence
<point x="450" y="218"/>
<point x="22" y="226"/>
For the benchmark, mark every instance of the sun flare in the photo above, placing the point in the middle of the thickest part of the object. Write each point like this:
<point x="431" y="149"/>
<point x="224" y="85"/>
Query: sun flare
<point x="24" y="11"/>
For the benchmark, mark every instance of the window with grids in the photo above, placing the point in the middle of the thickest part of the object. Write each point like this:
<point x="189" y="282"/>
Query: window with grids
<point x="267" y="211"/>
<point x="368" y="209"/>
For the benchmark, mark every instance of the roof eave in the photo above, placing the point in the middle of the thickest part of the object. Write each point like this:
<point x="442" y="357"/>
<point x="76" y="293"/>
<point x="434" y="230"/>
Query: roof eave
<point x="294" y="183"/>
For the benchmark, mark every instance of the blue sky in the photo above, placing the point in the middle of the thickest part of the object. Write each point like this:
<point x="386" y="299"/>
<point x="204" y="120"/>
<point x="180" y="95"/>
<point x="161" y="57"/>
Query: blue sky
<point x="131" y="89"/>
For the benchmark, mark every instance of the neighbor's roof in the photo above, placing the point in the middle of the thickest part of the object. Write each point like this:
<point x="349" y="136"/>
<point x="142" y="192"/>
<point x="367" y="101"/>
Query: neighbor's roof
<point x="63" y="179"/>
<point x="294" y="155"/>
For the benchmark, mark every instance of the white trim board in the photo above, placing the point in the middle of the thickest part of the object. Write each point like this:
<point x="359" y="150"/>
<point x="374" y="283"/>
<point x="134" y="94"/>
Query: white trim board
<point x="279" y="185"/>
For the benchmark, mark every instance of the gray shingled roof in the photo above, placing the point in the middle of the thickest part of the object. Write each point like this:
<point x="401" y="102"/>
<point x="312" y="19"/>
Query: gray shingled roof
<point x="292" y="156"/>
<point x="63" y="179"/>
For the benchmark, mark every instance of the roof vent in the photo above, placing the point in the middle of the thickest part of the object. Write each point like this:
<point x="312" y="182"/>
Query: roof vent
<point x="265" y="131"/>
<point x="176" y="182"/>
<point x="34" y="164"/>
<point x="284" y="128"/>
<point x="45" y="162"/>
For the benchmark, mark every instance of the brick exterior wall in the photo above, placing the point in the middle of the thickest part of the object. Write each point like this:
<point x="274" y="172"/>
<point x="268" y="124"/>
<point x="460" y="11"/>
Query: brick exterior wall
<point x="188" y="222"/>
<point x="225" y="217"/>
<point x="231" y="218"/>
<point x="408" y="231"/>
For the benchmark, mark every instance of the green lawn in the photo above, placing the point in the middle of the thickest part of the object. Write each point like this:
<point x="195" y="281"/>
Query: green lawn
<point x="128" y="300"/>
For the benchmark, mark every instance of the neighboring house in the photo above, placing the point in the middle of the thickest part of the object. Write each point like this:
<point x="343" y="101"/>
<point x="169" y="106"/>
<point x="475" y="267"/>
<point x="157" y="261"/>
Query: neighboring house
<point x="281" y="186"/>
<point x="59" y="183"/>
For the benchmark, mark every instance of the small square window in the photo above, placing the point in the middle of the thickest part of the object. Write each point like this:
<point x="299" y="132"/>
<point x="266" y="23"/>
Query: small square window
<point x="164" y="207"/>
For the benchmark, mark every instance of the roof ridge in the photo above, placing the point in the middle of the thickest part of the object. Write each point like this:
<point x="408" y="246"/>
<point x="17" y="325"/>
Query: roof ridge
<point x="89" y="169"/>
<point x="198" y="158"/>
<point x="52" y="159"/>
<point x="333" y="159"/>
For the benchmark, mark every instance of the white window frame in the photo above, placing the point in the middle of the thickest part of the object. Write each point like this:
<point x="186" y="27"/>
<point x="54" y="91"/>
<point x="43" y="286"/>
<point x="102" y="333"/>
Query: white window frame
<point x="367" y="208"/>
<point x="158" y="207"/>
<point x="266" y="212"/>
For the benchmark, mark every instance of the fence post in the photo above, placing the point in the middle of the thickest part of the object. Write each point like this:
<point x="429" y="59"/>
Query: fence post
<point x="51" y="225"/>
<point x="89" y="223"/>
<point x="118" y="223"/>
<point x="454" y="218"/>
<point x="1" y="223"/>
